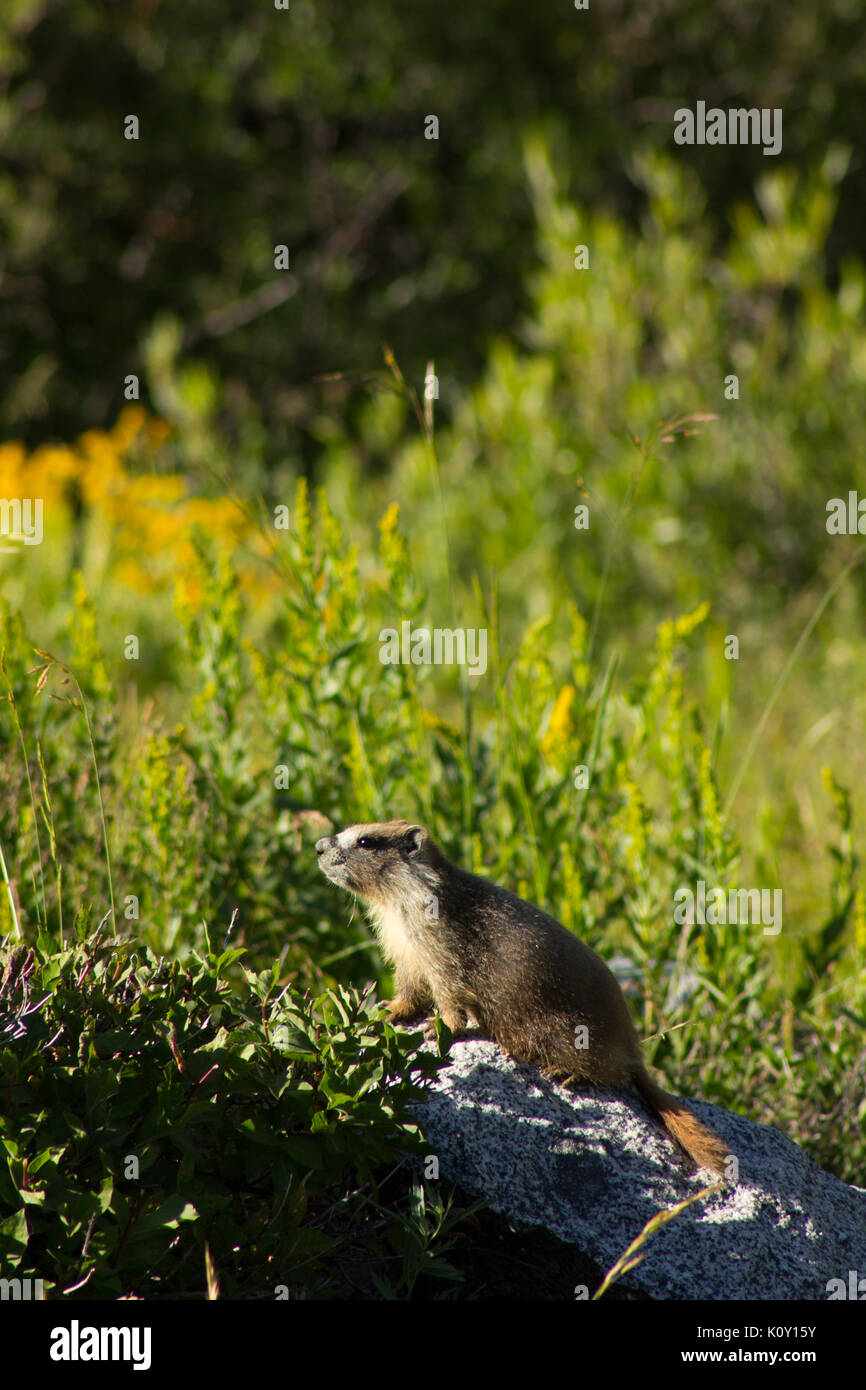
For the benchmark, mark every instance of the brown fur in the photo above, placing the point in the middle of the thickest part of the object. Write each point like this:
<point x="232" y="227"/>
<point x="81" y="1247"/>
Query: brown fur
<point x="474" y="949"/>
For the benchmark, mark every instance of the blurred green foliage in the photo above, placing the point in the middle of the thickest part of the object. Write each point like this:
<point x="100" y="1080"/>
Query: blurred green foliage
<point x="305" y="127"/>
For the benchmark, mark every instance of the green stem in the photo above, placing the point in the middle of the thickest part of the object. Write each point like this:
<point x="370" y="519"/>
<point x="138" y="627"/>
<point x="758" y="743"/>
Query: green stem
<point x="9" y="891"/>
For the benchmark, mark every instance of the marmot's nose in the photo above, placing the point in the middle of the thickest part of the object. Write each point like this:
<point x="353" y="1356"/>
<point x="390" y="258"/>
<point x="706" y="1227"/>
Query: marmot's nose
<point x="322" y="845"/>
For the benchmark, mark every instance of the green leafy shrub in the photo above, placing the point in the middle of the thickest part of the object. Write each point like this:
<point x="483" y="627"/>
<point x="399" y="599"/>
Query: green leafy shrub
<point x="153" y="1113"/>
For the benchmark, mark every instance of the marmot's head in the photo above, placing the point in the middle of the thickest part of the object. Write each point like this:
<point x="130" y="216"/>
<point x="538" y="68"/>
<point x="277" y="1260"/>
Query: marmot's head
<point x="378" y="862"/>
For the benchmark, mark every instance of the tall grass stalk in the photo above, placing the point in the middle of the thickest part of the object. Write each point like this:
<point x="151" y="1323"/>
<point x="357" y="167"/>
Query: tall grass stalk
<point x="9" y="891"/>
<point x="81" y="707"/>
<point x="13" y="706"/>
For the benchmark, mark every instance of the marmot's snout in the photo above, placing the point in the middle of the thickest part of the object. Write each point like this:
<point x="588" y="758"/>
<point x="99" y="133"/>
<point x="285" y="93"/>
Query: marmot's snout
<point x="327" y="852"/>
<point x="331" y="858"/>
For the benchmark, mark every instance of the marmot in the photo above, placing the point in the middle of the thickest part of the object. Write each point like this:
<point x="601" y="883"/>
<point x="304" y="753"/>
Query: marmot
<point x="458" y="941"/>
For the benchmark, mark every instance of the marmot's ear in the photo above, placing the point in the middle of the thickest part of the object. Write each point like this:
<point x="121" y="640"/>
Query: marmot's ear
<point x="414" y="839"/>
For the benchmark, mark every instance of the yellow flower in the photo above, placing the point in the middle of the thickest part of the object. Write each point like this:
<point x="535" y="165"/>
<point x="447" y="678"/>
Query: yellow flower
<point x="12" y="459"/>
<point x="668" y="631"/>
<point x="631" y="823"/>
<point x="128" y="426"/>
<point x="711" y="814"/>
<point x="154" y="487"/>
<point x="561" y="726"/>
<point x="860" y="922"/>
<point x="219" y="515"/>
<point x="392" y="545"/>
<point x="156" y="432"/>
<point x="690" y="621"/>
<point x="439" y="725"/>
<point x="134" y="576"/>
<point x="48" y="473"/>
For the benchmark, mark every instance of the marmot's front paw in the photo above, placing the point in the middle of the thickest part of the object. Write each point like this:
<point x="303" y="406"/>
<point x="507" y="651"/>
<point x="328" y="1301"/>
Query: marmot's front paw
<point x="401" y="1011"/>
<point x="455" y="1022"/>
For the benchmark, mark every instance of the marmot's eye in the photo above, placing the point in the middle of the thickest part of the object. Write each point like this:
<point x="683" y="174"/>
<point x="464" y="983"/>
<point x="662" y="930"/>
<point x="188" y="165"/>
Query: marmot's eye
<point x="365" y="842"/>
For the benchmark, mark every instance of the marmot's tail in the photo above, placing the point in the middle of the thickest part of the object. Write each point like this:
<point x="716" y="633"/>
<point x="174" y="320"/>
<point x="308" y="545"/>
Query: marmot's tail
<point x="700" y="1143"/>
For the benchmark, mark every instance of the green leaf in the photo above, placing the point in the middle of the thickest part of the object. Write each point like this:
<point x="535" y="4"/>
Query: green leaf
<point x="14" y="1231"/>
